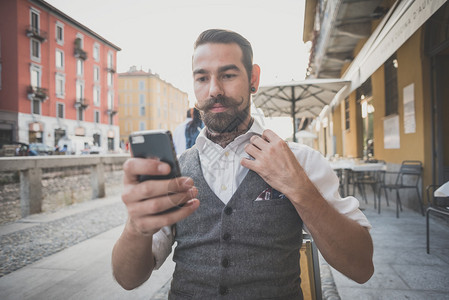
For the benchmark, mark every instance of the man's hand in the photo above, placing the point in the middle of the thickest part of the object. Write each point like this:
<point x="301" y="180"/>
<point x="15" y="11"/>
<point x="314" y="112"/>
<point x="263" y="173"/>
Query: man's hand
<point x="345" y="244"/>
<point x="132" y="257"/>
<point x="146" y="201"/>
<point x="275" y="163"/>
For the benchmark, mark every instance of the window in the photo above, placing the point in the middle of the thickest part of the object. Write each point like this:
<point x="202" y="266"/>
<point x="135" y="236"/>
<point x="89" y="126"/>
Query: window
<point x="141" y="85"/>
<point x="142" y="105"/>
<point x="59" y="59"/>
<point x="60" y="110"/>
<point x="347" y="123"/>
<point x="110" y="100"/>
<point x="79" y="41"/>
<point x="142" y="126"/>
<point x="96" y="73"/>
<point x="34" y="15"/>
<point x="35" y="50"/>
<point x="110" y="78"/>
<point x="391" y="86"/>
<point x="59" y="33"/>
<point x="36" y="106"/>
<point x="79" y="67"/>
<point x="96" y="52"/>
<point x="110" y="58"/>
<point x="96" y="96"/>
<point x="80" y="114"/>
<point x="79" y="89"/>
<point x="60" y="85"/>
<point x="96" y="116"/>
<point x="35" y="72"/>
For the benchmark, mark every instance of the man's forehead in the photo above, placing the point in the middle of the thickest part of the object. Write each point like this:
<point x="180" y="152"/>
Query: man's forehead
<point x="217" y="52"/>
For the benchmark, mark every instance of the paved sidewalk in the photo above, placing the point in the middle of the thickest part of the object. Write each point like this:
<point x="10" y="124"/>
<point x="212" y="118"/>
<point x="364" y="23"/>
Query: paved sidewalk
<point x="403" y="269"/>
<point x="66" y="255"/>
<point x="85" y="233"/>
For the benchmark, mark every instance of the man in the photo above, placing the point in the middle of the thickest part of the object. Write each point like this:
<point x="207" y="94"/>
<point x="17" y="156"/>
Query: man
<point x="256" y="192"/>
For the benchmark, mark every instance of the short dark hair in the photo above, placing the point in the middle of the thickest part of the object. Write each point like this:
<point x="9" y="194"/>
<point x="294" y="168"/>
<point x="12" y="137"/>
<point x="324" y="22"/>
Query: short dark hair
<point x="222" y="36"/>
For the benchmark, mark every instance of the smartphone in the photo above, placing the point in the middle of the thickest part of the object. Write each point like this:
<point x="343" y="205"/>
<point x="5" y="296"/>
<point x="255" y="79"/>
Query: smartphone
<point x="155" y="144"/>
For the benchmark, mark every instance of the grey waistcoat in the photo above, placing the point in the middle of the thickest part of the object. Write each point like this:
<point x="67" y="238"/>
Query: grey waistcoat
<point x="245" y="250"/>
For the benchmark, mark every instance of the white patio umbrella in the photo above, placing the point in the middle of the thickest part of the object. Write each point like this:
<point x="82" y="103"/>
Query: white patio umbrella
<point x="304" y="134"/>
<point x="297" y="99"/>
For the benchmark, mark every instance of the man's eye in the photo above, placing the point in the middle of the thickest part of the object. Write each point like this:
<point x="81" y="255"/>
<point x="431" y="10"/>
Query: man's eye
<point x="229" y="76"/>
<point x="201" y="79"/>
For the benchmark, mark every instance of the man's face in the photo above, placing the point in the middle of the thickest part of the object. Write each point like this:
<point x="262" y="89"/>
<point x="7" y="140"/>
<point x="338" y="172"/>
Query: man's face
<point x="221" y="85"/>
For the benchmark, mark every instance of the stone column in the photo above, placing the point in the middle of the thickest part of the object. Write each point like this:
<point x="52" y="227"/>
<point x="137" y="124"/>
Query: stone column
<point x="31" y="191"/>
<point x="98" y="189"/>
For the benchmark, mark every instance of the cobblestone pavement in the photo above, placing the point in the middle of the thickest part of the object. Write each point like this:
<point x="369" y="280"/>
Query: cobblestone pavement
<point x="23" y="247"/>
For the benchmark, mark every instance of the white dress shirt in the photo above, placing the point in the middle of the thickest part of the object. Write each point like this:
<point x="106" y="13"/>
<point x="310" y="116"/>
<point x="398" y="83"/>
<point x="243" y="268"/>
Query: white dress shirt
<point x="224" y="173"/>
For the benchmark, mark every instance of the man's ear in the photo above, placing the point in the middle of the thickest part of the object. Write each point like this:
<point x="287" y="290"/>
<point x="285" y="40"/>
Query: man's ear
<point x="255" y="77"/>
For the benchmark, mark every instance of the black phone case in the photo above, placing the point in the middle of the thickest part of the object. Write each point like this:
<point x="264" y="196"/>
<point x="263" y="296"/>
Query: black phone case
<point x="157" y="144"/>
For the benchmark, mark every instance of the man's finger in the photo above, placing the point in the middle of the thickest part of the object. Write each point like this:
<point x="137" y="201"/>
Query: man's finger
<point x="134" y="167"/>
<point x="169" y="218"/>
<point x="270" y="136"/>
<point x="160" y="204"/>
<point x="157" y="188"/>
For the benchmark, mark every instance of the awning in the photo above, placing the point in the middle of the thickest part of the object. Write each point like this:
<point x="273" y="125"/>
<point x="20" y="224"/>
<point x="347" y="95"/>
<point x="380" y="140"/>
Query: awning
<point x="401" y="22"/>
<point x="297" y="99"/>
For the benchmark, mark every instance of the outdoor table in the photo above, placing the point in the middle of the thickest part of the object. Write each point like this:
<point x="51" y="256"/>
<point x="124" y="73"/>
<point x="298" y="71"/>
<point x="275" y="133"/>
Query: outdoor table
<point x="442" y="191"/>
<point x="346" y="166"/>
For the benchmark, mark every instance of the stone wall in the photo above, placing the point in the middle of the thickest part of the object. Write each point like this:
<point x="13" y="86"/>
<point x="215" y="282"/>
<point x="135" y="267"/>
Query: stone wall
<point x="70" y="183"/>
<point x="9" y="197"/>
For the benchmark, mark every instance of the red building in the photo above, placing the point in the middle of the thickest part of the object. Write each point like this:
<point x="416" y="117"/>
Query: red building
<point x="57" y="78"/>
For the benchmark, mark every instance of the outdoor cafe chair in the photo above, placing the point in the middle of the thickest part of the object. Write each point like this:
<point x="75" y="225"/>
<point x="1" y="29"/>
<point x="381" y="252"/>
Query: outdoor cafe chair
<point x="436" y="204"/>
<point x="373" y="179"/>
<point x="408" y="177"/>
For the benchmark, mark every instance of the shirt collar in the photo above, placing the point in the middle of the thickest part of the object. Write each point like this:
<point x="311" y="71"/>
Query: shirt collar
<point x="202" y="140"/>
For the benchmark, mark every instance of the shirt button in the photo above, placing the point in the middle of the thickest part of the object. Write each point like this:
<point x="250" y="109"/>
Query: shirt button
<point x="226" y="153"/>
<point x="228" y="210"/>
<point x="225" y="262"/>
<point x="223" y="290"/>
<point x="226" y="236"/>
<point x="223" y="187"/>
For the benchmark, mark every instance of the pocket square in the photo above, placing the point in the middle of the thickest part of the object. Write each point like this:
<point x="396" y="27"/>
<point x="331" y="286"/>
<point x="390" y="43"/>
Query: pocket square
<point x="269" y="194"/>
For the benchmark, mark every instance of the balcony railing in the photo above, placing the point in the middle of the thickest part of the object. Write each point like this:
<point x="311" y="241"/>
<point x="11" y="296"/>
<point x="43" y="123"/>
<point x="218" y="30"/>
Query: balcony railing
<point x="111" y="112"/>
<point x="82" y="103"/>
<point x="80" y="53"/>
<point x="36" y="33"/>
<point x="37" y="93"/>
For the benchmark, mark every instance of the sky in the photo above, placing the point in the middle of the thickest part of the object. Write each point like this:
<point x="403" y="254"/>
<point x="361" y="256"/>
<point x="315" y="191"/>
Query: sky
<point x="159" y="34"/>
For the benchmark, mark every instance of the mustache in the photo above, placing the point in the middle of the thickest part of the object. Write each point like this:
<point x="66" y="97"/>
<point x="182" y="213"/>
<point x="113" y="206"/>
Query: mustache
<point x="223" y="100"/>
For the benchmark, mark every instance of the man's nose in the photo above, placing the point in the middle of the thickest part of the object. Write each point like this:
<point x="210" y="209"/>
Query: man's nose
<point x="215" y="88"/>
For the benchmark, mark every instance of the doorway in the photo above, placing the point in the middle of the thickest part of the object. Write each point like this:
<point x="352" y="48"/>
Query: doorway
<point x="437" y="44"/>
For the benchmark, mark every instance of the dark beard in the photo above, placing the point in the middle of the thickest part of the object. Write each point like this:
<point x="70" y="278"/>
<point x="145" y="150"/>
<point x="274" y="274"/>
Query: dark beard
<point x="227" y="121"/>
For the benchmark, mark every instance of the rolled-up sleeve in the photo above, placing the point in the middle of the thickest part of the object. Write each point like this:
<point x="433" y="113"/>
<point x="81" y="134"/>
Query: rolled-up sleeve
<point x="326" y="181"/>
<point x="162" y="245"/>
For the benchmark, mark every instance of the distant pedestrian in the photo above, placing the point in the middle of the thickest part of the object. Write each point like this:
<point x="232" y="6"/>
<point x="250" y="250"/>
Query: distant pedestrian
<point x="193" y="128"/>
<point x="185" y="134"/>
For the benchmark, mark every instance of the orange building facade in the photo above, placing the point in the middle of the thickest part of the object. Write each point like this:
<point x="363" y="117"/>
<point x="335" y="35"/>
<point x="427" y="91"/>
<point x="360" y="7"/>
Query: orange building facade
<point x="57" y="78"/>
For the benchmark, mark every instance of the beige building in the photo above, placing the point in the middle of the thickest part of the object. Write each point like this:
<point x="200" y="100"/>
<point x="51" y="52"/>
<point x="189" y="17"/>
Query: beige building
<point x="148" y="102"/>
<point x="395" y="53"/>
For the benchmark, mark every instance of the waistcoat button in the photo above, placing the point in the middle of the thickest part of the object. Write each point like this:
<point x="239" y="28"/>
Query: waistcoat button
<point x="225" y="262"/>
<point x="226" y="236"/>
<point x="228" y="210"/>
<point x="223" y="290"/>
